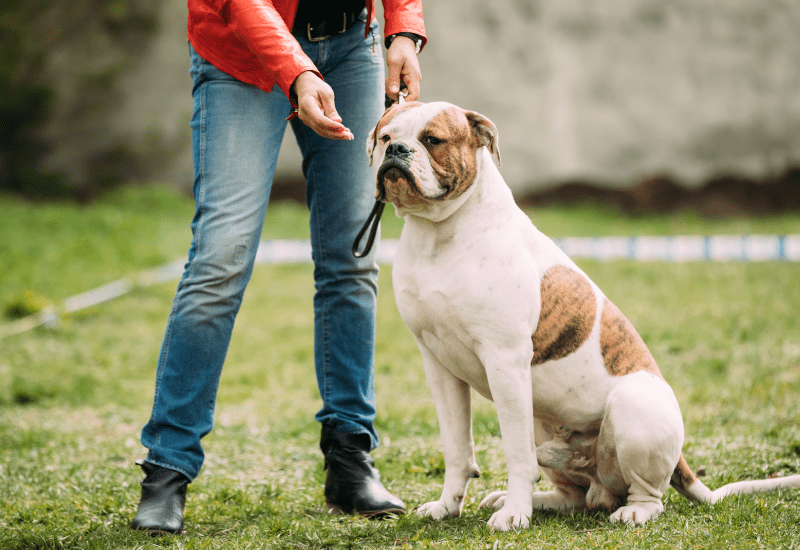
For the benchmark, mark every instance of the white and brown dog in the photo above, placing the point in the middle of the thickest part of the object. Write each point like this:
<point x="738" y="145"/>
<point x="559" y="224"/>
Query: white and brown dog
<point x="495" y="305"/>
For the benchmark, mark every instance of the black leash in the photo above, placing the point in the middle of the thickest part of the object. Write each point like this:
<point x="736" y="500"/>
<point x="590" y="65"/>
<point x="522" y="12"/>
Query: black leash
<point x="375" y="216"/>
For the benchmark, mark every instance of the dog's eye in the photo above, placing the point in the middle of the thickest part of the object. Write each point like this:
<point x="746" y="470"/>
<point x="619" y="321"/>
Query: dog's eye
<point x="430" y="140"/>
<point x="385" y="138"/>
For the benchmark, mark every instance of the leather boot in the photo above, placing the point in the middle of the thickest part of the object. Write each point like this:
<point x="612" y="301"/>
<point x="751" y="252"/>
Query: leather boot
<point x="353" y="485"/>
<point x="163" y="498"/>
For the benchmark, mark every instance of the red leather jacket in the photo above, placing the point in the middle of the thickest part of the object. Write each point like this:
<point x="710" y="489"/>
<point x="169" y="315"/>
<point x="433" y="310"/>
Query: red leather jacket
<point x="251" y="40"/>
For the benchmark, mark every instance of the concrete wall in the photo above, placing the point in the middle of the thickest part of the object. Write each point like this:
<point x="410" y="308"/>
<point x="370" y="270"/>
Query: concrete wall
<point x="617" y="89"/>
<point x="605" y="90"/>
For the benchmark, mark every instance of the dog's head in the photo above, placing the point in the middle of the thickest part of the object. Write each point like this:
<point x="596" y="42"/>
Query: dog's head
<point x="428" y="152"/>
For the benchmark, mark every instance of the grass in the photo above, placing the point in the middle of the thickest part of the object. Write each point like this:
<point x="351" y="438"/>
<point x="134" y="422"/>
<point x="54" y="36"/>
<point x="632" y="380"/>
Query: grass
<point x="73" y="399"/>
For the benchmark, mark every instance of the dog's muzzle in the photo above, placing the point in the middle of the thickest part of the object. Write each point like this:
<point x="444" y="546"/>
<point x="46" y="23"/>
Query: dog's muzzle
<point x="395" y="165"/>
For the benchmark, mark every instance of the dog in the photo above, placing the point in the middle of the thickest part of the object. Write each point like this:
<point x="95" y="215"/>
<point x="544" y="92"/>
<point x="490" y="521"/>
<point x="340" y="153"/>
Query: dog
<point x="496" y="306"/>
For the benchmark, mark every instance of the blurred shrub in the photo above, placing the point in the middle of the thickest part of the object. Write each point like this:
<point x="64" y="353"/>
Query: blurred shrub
<point x="38" y="43"/>
<point x="25" y="304"/>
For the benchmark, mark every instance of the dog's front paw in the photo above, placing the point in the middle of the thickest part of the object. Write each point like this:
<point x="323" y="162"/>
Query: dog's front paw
<point x="507" y="519"/>
<point x="638" y="513"/>
<point x="495" y="500"/>
<point x="436" y="510"/>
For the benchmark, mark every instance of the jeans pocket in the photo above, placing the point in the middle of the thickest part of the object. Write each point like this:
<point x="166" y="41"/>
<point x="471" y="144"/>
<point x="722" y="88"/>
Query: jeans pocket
<point x="202" y="70"/>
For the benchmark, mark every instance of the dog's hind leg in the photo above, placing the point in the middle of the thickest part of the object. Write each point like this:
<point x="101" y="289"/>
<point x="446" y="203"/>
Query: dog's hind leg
<point x="639" y="445"/>
<point x="451" y="397"/>
<point x="567" y="498"/>
<point x="569" y="460"/>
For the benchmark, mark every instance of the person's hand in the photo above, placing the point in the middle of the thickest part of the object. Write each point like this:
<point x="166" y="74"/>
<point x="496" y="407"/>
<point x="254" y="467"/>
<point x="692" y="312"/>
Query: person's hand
<point x="315" y="107"/>
<point x="403" y="67"/>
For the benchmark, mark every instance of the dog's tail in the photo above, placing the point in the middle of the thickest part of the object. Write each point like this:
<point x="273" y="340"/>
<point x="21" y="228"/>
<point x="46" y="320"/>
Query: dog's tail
<point x="686" y="483"/>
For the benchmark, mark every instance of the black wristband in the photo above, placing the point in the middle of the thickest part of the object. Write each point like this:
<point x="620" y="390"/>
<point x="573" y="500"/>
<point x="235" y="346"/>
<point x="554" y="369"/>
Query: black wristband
<point x="415" y="37"/>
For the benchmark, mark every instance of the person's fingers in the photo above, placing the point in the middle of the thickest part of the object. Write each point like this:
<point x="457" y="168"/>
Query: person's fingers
<point x="393" y="81"/>
<point x="317" y="110"/>
<point x="324" y="126"/>
<point x="329" y="107"/>
<point x="403" y="68"/>
<point x="412" y="80"/>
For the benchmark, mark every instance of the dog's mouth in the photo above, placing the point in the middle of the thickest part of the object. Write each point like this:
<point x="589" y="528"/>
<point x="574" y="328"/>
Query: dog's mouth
<point x="391" y="175"/>
<point x="396" y="184"/>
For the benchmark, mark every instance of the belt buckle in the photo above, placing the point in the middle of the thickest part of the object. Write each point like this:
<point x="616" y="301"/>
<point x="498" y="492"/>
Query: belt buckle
<point x="313" y="39"/>
<point x="321" y="38"/>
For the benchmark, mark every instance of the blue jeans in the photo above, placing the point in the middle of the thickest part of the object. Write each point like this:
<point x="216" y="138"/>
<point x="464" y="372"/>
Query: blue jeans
<point x="237" y="131"/>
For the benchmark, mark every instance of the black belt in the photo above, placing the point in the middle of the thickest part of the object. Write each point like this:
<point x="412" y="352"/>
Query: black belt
<point x="318" y="26"/>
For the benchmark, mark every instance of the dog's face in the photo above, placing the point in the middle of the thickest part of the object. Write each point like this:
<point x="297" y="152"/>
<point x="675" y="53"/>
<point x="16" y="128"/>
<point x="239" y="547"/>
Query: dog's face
<point x="424" y="153"/>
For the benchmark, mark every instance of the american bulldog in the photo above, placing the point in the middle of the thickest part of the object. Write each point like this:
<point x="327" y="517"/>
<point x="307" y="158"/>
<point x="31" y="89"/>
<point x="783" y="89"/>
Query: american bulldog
<point x="495" y="305"/>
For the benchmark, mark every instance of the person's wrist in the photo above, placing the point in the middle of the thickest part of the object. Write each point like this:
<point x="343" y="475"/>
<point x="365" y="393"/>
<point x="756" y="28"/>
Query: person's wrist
<point x="303" y="80"/>
<point x="293" y="87"/>
<point x="417" y="39"/>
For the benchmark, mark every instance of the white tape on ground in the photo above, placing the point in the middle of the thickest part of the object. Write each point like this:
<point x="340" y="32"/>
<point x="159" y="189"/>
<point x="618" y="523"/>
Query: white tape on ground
<point x="746" y="248"/>
<point x="740" y="248"/>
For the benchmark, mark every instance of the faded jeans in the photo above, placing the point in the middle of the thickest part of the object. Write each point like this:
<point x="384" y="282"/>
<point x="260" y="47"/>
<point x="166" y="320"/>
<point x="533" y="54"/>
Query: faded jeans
<point x="237" y="131"/>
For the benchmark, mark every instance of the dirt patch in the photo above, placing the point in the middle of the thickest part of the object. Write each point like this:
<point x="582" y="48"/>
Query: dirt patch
<point x="721" y="196"/>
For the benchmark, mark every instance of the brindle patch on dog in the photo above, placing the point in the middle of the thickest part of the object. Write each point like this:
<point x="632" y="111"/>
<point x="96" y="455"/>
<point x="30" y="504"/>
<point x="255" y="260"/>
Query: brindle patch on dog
<point x="683" y="477"/>
<point x="623" y="349"/>
<point x="567" y="314"/>
<point x="452" y="151"/>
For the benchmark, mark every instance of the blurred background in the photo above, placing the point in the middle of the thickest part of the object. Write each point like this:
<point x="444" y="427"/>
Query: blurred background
<point x="647" y="104"/>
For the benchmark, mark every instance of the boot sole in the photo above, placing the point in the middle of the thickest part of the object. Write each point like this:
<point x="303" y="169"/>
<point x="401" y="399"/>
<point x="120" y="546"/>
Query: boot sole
<point x="156" y="532"/>
<point x="336" y="510"/>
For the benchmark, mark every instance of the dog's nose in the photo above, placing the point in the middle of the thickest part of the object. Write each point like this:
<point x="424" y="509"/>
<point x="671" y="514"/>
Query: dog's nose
<point x="398" y="149"/>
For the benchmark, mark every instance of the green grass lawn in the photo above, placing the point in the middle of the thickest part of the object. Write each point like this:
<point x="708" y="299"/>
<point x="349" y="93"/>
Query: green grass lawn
<point x="73" y="398"/>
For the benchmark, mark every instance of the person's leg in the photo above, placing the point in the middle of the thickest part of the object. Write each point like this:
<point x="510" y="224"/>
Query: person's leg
<point x="340" y="195"/>
<point x="236" y="133"/>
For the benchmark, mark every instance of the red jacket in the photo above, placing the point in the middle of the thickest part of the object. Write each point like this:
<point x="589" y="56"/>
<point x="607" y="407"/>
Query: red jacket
<point x="251" y="40"/>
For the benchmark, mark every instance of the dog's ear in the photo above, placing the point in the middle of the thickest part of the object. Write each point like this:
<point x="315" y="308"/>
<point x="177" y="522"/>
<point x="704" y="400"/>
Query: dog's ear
<point x="486" y="132"/>
<point x="371" y="142"/>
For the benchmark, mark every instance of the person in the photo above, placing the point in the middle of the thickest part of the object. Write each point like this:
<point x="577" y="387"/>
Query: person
<point x="256" y="64"/>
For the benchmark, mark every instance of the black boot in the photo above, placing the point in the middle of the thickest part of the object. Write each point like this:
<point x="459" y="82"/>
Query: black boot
<point x="163" y="498"/>
<point x="353" y="485"/>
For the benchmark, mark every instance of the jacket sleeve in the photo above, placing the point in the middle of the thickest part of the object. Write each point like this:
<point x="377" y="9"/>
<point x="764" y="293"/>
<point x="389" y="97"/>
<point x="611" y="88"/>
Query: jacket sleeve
<point x="404" y="16"/>
<point x="262" y="29"/>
